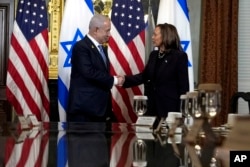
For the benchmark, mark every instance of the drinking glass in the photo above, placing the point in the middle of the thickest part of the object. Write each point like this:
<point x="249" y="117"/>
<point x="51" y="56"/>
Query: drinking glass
<point x="139" y="153"/>
<point x="184" y="111"/>
<point x="209" y="100"/>
<point x="192" y="104"/>
<point x="140" y="104"/>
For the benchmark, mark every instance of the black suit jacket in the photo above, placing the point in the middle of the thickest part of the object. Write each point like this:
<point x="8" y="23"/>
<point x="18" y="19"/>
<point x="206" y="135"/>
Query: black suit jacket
<point x="89" y="147"/>
<point x="165" y="80"/>
<point x="90" y="83"/>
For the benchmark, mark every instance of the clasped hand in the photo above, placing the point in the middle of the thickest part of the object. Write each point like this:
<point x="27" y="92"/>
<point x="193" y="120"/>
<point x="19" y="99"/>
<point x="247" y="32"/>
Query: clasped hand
<point x="121" y="80"/>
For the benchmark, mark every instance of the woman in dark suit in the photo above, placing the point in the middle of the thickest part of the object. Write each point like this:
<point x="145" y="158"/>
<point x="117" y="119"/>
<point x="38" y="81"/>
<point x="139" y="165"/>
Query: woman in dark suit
<point x="166" y="73"/>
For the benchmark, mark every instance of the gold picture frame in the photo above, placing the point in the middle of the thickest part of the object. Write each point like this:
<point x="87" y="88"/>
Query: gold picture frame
<point x="55" y="14"/>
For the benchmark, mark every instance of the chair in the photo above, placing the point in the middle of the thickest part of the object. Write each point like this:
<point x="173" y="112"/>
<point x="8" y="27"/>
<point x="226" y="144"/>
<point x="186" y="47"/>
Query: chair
<point x="234" y="101"/>
<point x="210" y="87"/>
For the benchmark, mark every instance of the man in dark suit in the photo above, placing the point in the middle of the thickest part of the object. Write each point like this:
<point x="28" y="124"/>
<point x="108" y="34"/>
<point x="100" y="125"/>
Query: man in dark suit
<point x="90" y="146"/>
<point x="90" y="84"/>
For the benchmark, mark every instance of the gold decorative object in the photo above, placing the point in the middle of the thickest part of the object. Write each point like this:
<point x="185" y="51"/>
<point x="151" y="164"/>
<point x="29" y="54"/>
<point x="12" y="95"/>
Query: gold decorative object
<point x="55" y="11"/>
<point x="102" y="6"/>
<point x="107" y="7"/>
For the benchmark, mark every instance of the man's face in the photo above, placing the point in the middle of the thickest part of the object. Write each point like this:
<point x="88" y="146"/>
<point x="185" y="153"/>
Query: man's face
<point x="103" y="33"/>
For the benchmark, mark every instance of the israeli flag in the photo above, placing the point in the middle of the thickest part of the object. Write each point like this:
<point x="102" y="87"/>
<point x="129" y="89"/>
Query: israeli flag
<point x="176" y="12"/>
<point x="62" y="147"/>
<point x="75" y="25"/>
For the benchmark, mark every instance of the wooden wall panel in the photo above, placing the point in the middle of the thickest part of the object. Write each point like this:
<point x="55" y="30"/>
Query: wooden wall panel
<point x="6" y="26"/>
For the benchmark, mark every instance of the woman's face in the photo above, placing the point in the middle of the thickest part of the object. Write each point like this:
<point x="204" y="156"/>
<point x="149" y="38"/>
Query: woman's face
<point x="156" y="37"/>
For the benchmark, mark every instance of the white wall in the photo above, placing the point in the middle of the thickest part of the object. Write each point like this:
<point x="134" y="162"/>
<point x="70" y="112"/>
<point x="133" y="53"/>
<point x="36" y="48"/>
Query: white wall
<point x="195" y="20"/>
<point x="244" y="53"/>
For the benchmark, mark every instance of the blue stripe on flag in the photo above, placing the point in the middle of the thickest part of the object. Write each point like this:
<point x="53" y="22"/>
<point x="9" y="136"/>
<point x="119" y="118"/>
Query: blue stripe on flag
<point x="62" y="147"/>
<point x="63" y="98"/>
<point x="183" y="4"/>
<point x="90" y="5"/>
<point x="62" y="153"/>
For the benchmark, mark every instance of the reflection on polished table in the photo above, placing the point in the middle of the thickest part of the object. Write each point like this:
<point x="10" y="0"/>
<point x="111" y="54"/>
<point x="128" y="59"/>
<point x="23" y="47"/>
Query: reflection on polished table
<point x="98" y="145"/>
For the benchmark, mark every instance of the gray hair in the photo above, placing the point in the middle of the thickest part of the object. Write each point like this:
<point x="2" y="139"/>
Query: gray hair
<point x="97" y="21"/>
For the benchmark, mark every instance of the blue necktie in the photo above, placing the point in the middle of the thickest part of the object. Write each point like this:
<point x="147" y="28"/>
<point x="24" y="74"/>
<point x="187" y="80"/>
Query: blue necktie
<point x="102" y="54"/>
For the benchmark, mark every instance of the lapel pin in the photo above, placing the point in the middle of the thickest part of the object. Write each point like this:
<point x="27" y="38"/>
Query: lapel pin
<point x="166" y="61"/>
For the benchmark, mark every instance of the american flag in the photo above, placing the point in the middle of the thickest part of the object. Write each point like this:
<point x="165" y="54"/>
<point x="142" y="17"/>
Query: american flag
<point x="27" y="74"/>
<point x="126" y="52"/>
<point x="32" y="151"/>
<point x="122" y="146"/>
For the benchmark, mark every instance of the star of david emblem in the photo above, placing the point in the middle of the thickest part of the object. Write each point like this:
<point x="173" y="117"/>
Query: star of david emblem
<point x="68" y="46"/>
<point x="185" y="46"/>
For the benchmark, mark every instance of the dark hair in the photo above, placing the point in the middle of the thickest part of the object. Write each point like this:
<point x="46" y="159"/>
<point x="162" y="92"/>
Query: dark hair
<point x="170" y="36"/>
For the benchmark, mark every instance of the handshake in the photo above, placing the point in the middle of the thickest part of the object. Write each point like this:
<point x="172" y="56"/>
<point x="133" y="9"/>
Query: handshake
<point x="120" y="79"/>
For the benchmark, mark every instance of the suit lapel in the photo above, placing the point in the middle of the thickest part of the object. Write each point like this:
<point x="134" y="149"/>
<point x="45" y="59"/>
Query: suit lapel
<point x="97" y="53"/>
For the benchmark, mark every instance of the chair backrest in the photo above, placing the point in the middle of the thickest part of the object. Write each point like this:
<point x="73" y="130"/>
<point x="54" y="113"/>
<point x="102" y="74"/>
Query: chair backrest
<point x="234" y="101"/>
<point x="210" y="87"/>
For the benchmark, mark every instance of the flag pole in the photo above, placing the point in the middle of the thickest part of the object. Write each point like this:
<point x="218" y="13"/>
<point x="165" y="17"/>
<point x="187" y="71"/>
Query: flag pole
<point x="149" y="31"/>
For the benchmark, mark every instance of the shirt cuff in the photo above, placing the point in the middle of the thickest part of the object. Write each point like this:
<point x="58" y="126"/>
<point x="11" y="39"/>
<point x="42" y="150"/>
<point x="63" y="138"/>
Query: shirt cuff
<point x="115" y="80"/>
